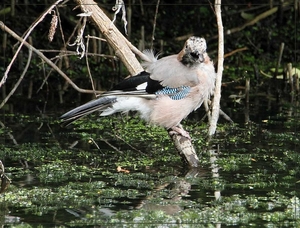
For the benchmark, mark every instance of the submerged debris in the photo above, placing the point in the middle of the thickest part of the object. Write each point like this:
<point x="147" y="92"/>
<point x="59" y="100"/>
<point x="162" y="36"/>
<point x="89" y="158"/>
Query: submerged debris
<point x="5" y="181"/>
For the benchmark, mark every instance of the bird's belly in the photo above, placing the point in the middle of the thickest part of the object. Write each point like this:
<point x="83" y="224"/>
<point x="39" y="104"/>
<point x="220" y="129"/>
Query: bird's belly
<point x="169" y="113"/>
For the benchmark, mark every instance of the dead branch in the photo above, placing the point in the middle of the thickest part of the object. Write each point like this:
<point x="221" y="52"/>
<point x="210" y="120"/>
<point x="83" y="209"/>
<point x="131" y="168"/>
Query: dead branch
<point x="235" y="51"/>
<point x="185" y="149"/>
<point x="231" y="53"/>
<point x="154" y="23"/>
<point x="217" y="93"/>
<point x="72" y="53"/>
<point x="253" y="21"/>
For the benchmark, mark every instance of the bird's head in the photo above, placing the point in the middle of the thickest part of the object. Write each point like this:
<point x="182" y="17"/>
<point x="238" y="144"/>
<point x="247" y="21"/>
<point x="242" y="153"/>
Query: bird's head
<point x="193" y="51"/>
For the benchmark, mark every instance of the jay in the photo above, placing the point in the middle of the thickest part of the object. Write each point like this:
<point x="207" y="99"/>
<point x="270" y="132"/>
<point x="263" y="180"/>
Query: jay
<point x="164" y="94"/>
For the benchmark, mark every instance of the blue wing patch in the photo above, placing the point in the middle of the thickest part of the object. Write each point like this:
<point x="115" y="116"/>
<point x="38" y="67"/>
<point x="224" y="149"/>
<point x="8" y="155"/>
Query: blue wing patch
<point x="175" y="93"/>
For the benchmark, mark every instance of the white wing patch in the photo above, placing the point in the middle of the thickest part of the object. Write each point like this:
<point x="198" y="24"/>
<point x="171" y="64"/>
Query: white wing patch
<point x="142" y="86"/>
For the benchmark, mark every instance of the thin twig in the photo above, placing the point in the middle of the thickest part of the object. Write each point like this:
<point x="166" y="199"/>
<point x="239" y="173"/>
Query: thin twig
<point x="47" y="76"/>
<point x="20" y="79"/>
<point x="225" y="116"/>
<point x="154" y="23"/>
<point x="207" y="104"/>
<point x="137" y="51"/>
<point x="132" y="147"/>
<point x="247" y="92"/>
<point x="65" y="53"/>
<point x="10" y="135"/>
<point x="60" y="27"/>
<point x="112" y="146"/>
<point x="95" y="37"/>
<point x="235" y="51"/>
<point x="88" y="65"/>
<point x="93" y="141"/>
<point x="291" y="79"/>
<point x="278" y="60"/>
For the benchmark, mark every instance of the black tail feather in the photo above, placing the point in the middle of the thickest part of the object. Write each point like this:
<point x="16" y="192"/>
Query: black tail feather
<point x="99" y="104"/>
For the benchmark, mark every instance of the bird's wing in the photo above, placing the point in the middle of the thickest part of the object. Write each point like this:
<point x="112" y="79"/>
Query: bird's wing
<point x="172" y="73"/>
<point x="140" y="85"/>
<point x="133" y="83"/>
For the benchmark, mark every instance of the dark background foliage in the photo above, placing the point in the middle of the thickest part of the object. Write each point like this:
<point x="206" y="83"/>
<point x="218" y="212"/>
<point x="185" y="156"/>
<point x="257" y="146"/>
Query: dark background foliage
<point x="176" y="20"/>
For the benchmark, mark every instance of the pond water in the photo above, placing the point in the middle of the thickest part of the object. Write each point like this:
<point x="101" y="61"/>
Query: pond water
<point x="118" y="172"/>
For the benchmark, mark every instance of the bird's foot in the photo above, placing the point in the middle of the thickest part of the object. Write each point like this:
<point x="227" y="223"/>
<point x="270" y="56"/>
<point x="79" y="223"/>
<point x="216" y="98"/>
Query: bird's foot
<point x="179" y="131"/>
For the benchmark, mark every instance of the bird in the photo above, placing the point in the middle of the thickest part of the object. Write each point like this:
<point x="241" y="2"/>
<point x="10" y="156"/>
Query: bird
<point x="164" y="94"/>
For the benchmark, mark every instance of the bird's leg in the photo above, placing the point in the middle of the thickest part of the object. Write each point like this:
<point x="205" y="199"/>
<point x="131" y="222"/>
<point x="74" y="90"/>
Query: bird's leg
<point x="180" y="131"/>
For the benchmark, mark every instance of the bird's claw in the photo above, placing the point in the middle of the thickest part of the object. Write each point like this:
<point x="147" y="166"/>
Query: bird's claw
<point x="180" y="131"/>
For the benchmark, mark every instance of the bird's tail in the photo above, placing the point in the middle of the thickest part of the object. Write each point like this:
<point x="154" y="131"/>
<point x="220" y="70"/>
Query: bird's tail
<point x="99" y="104"/>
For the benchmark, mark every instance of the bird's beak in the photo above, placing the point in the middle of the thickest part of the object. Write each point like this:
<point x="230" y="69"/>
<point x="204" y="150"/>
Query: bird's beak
<point x="201" y="58"/>
<point x="198" y="55"/>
